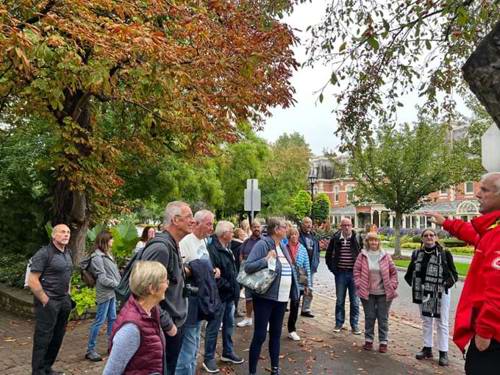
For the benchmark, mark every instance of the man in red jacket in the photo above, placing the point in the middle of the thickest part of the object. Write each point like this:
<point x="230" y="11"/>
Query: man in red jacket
<point x="478" y="312"/>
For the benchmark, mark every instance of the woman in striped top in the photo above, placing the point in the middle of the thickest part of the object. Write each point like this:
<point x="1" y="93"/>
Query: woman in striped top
<point x="269" y="308"/>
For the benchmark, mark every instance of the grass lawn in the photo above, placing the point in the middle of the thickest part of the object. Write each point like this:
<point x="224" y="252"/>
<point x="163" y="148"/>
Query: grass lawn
<point x="462" y="268"/>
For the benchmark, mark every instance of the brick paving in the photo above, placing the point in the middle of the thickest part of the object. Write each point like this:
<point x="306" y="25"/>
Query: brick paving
<point x="319" y="352"/>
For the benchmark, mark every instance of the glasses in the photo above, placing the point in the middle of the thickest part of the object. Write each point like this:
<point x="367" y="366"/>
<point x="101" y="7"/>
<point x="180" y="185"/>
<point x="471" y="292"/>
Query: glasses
<point x="428" y="235"/>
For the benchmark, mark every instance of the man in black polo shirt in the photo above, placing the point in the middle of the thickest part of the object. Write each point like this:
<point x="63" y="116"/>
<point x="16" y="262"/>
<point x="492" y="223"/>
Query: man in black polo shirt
<point x="340" y="256"/>
<point x="49" y="281"/>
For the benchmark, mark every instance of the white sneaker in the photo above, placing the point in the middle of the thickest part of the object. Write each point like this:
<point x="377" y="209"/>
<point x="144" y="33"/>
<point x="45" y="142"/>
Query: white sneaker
<point x="247" y="322"/>
<point x="293" y="335"/>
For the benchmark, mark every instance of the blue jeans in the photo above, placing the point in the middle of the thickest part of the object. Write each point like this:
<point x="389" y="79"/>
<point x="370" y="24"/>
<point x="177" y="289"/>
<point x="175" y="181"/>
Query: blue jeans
<point x="225" y="315"/>
<point x="105" y="311"/>
<point x="344" y="281"/>
<point x="186" y="363"/>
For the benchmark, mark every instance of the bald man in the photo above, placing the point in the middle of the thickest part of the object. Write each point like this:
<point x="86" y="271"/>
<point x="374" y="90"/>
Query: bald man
<point x="477" y="321"/>
<point x="49" y="281"/>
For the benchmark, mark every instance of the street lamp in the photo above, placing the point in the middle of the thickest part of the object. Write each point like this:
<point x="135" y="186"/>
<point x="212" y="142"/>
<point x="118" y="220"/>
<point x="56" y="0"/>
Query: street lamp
<point x="313" y="179"/>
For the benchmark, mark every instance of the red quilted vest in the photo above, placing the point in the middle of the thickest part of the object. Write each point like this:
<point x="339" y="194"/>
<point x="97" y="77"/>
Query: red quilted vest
<point x="149" y="357"/>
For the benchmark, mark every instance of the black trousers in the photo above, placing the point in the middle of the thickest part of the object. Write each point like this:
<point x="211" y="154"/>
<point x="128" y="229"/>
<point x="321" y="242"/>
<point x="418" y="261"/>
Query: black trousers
<point x="483" y="363"/>
<point x="50" y="327"/>
<point x="294" y="313"/>
<point x="173" y="346"/>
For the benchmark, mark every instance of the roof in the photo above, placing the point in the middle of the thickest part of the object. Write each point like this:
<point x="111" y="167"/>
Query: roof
<point x="347" y="210"/>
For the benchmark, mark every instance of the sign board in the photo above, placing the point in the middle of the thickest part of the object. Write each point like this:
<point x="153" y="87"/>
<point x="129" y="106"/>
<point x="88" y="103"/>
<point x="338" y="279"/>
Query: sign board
<point x="252" y="196"/>
<point x="490" y="149"/>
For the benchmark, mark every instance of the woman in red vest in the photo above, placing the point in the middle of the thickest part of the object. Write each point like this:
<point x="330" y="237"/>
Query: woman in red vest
<point x="137" y="344"/>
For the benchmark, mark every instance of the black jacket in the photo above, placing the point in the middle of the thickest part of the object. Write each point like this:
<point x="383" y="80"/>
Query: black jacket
<point x="332" y="255"/>
<point x="450" y="274"/>
<point x="223" y="258"/>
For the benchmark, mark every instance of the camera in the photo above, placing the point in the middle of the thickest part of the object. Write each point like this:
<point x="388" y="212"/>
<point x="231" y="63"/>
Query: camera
<point x="190" y="290"/>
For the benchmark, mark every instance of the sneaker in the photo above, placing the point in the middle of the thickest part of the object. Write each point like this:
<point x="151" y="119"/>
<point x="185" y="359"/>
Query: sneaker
<point x="368" y="345"/>
<point x="293" y="335"/>
<point x="382" y="348"/>
<point x="233" y="358"/>
<point x="337" y="329"/>
<point x="93" y="356"/>
<point x="210" y="366"/>
<point x="247" y="322"/>
<point x="356" y="331"/>
<point x="307" y="314"/>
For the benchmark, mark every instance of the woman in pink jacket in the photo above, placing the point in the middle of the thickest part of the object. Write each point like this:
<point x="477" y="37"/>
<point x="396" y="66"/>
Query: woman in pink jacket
<point x="376" y="282"/>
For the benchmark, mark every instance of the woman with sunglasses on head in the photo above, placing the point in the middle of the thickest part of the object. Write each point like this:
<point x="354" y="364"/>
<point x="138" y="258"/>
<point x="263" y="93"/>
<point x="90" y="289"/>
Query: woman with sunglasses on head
<point x="431" y="273"/>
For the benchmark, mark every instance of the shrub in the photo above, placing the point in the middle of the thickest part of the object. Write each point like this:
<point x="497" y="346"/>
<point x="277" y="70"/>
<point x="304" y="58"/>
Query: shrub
<point x="410" y="245"/>
<point x="12" y="270"/>
<point x="452" y="242"/>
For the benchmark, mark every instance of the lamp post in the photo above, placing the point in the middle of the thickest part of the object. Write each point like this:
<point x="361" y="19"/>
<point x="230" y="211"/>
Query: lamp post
<point x="313" y="179"/>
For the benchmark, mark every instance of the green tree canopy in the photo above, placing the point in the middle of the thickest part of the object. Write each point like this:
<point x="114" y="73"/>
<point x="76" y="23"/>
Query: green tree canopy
<point x="321" y="207"/>
<point x="402" y="166"/>
<point x="302" y="204"/>
<point x="382" y="50"/>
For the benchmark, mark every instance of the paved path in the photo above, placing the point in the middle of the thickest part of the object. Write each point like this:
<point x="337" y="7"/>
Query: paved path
<point x="319" y="352"/>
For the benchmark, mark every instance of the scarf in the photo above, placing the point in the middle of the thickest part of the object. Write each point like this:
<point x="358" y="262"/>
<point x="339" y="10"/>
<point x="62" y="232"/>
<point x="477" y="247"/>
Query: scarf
<point x="293" y="250"/>
<point x="427" y="284"/>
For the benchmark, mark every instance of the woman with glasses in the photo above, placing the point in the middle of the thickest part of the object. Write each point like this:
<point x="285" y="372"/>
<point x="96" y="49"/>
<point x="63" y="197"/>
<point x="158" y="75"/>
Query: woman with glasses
<point x="269" y="308"/>
<point x="431" y="273"/>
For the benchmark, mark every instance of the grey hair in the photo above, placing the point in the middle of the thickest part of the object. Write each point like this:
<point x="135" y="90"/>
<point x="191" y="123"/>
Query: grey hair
<point x="307" y="218"/>
<point x="222" y="227"/>
<point x="201" y="215"/>
<point x="495" y="176"/>
<point x="172" y="210"/>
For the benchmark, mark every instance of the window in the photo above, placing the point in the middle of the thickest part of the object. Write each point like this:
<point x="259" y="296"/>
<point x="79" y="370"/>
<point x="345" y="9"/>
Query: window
<point x="350" y="193"/>
<point x="443" y="192"/>
<point x="469" y="187"/>
<point x="335" y="193"/>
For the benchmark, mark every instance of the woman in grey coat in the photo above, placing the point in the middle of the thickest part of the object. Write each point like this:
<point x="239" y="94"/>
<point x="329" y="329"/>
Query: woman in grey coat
<point x="105" y="270"/>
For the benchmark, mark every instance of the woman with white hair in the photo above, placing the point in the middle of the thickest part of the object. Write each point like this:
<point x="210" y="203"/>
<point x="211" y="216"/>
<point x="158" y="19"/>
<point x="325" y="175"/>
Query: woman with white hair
<point x="137" y="343"/>
<point x="376" y="280"/>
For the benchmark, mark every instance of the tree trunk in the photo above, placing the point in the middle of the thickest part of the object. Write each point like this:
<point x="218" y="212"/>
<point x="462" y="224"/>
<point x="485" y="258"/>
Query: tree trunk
<point x="71" y="206"/>
<point x="397" y="234"/>
<point x="482" y="73"/>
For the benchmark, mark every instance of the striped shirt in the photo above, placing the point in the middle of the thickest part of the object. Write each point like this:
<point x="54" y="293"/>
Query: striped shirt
<point x="346" y="261"/>
<point x="286" y="277"/>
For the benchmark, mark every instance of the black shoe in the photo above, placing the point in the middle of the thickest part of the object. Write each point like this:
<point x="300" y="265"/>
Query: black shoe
<point x="232" y="358"/>
<point x="93" y="356"/>
<point x="426" y="352"/>
<point x="443" y="358"/>
<point x="275" y="371"/>
<point x="307" y="314"/>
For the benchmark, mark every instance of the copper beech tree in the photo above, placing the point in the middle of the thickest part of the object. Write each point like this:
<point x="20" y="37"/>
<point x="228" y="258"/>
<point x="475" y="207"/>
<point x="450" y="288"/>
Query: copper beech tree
<point x="187" y="73"/>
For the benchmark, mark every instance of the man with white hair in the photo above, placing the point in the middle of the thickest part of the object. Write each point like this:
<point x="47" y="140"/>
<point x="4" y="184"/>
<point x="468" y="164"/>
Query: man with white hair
<point x="223" y="259"/>
<point x="193" y="247"/>
<point x="164" y="248"/>
<point x="477" y="320"/>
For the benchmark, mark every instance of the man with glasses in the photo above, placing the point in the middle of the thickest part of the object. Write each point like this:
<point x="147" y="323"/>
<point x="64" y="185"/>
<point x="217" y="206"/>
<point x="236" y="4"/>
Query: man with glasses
<point x="164" y="248"/>
<point x="477" y="320"/>
<point x="343" y="249"/>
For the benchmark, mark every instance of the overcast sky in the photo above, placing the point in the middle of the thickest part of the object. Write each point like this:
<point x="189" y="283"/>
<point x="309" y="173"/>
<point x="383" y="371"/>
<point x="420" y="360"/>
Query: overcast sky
<point x="315" y="121"/>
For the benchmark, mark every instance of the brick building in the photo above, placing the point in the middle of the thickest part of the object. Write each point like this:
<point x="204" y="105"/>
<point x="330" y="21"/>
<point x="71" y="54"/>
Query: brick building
<point x="458" y="201"/>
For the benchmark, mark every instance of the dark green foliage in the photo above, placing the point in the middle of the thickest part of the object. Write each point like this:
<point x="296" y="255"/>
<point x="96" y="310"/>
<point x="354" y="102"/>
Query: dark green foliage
<point x="12" y="269"/>
<point x="321" y="207"/>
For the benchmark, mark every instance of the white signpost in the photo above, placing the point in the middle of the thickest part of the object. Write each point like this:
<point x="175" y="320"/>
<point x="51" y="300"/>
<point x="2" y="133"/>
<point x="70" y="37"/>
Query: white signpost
<point x="252" y="197"/>
<point x="490" y="149"/>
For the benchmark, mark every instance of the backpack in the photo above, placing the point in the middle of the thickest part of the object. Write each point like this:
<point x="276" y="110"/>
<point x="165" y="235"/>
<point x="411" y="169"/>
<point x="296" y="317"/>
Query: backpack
<point x="86" y="274"/>
<point x="30" y="262"/>
<point x="122" y="291"/>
